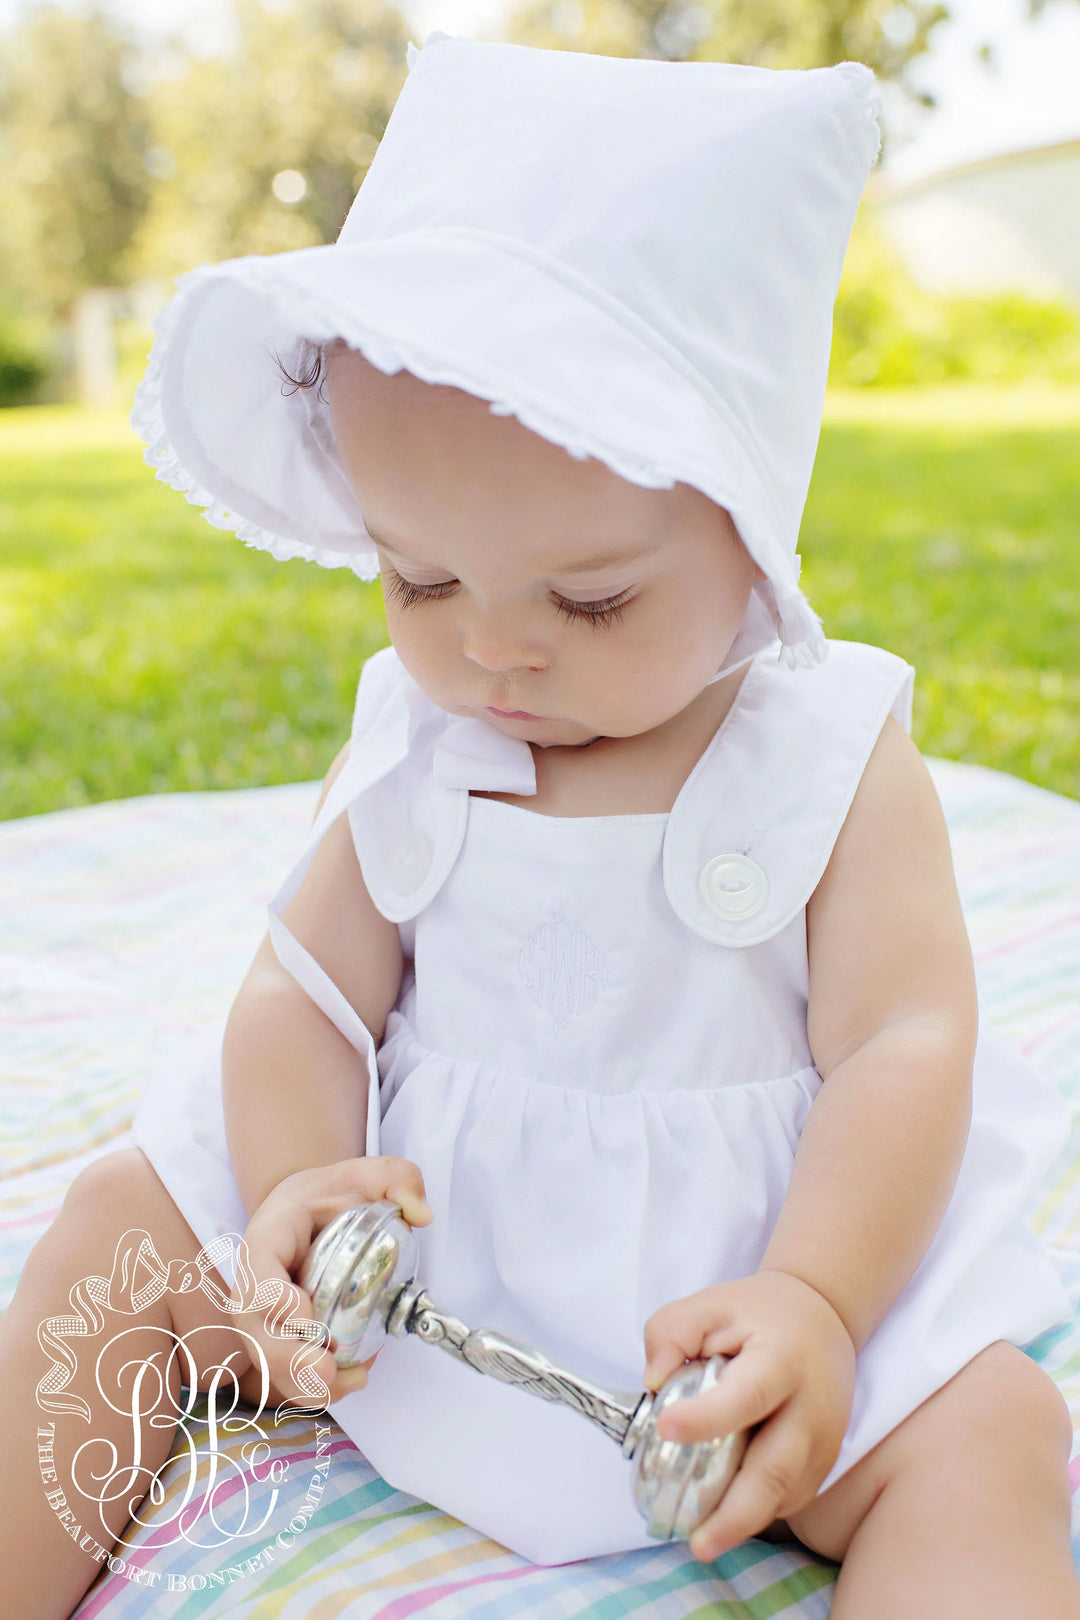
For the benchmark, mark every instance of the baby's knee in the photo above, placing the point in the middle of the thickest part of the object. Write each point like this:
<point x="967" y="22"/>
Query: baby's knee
<point x="998" y="1427"/>
<point x="121" y="1192"/>
<point x="1001" y="1407"/>
<point x="110" y="1196"/>
<point x="123" y="1182"/>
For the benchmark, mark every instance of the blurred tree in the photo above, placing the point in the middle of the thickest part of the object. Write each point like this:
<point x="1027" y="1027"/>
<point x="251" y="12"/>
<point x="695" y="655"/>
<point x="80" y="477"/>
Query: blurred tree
<point x="263" y="149"/>
<point x="73" y="143"/>
<point x="885" y="34"/>
<point x="890" y="332"/>
<point x="25" y="355"/>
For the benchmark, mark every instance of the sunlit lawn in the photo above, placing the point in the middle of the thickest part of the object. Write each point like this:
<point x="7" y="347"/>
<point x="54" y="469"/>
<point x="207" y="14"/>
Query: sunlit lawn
<point x="142" y="651"/>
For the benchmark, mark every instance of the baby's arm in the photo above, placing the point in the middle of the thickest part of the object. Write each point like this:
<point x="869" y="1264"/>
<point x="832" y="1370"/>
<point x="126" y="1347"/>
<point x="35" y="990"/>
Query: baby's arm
<point x="293" y="1088"/>
<point x="892" y="1023"/>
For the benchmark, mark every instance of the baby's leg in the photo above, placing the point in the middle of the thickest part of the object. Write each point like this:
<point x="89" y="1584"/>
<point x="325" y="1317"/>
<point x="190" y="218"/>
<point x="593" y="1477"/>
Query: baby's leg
<point x="45" y="1572"/>
<point x="962" y="1510"/>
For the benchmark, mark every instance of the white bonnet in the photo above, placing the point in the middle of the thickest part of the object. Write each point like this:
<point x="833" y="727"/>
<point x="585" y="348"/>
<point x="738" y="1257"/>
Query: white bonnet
<point x="636" y="258"/>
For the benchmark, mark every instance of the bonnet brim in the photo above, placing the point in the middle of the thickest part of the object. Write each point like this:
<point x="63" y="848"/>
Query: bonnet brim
<point x="459" y="307"/>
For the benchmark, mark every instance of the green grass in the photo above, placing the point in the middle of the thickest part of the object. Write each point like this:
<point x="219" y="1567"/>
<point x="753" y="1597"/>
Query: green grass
<point x="143" y="651"/>
<point x="943" y="525"/>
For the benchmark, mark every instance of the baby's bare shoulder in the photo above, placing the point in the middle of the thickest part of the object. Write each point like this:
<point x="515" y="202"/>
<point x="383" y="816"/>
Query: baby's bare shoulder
<point x="886" y="935"/>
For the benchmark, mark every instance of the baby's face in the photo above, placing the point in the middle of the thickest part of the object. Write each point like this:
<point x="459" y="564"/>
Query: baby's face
<point x="542" y="594"/>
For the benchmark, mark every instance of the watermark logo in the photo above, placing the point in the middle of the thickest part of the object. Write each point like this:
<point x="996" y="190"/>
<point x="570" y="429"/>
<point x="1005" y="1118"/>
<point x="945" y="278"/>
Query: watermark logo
<point x="225" y="1482"/>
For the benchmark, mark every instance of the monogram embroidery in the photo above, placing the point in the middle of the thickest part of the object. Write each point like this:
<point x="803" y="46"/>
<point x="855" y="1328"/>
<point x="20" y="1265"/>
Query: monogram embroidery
<point x="561" y="969"/>
<point x="748" y="844"/>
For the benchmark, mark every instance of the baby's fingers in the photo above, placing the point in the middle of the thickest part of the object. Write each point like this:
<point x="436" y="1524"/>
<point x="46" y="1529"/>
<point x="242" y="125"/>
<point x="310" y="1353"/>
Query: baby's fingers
<point x="677" y="1333"/>
<point x="750" y="1388"/>
<point x="292" y="1354"/>
<point x="399" y="1181"/>
<point x="326" y="1191"/>
<point x="768" y="1485"/>
<point x="276" y="1306"/>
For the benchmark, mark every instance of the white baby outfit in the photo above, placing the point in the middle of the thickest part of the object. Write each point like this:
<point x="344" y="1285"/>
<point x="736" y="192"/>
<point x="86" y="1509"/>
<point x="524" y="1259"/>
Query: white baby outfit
<point x="599" y="1060"/>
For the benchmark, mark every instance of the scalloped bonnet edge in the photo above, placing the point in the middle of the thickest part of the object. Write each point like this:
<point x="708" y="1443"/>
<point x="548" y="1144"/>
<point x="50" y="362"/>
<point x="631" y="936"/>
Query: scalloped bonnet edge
<point x="147" y="421"/>
<point x="799" y="627"/>
<point x="863" y="84"/>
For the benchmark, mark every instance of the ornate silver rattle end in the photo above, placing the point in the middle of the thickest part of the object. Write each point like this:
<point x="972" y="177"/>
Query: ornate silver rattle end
<point x="361" y="1275"/>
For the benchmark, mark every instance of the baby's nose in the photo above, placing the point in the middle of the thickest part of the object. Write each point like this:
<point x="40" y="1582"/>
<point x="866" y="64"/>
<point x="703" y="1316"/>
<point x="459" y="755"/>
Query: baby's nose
<point x="497" y="642"/>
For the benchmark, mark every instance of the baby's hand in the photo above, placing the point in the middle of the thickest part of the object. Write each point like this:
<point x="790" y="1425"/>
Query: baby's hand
<point x="278" y="1237"/>
<point x="792" y="1373"/>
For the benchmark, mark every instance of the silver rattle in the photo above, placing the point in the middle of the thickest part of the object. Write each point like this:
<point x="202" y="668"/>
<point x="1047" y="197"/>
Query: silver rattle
<point x="361" y="1275"/>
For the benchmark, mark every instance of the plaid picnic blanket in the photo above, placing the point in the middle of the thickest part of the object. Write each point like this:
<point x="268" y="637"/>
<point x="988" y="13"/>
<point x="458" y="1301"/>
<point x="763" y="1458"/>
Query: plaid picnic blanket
<point x="124" y="925"/>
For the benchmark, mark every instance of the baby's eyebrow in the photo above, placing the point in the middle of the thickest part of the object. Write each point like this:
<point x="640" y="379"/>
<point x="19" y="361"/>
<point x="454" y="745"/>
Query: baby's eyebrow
<point x="587" y="565"/>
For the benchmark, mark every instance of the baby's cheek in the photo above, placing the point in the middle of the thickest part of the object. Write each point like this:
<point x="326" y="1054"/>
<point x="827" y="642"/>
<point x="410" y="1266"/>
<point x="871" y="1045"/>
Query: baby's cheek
<point x="424" y="651"/>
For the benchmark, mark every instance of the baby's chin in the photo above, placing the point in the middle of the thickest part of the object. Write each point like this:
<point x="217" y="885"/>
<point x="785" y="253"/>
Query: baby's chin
<point x="546" y="733"/>
<point x="597" y="736"/>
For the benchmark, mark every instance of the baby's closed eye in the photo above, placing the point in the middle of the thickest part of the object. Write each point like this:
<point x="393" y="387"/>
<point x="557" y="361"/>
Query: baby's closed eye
<point x="407" y="593"/>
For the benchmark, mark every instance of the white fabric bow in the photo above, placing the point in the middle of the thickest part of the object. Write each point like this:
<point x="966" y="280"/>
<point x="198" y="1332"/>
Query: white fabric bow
<point x="473" y="755"/>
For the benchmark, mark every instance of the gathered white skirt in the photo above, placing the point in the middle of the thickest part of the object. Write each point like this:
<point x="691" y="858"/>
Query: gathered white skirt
<point x="565" y="1218"/>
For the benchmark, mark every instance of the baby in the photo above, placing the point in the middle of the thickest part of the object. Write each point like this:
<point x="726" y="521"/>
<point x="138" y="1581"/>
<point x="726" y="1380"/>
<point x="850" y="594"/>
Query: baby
<point x="626" y="953"/>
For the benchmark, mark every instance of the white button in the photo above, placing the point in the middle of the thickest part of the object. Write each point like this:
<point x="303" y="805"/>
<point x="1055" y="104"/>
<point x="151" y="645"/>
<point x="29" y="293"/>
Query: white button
<point x="733" y="886"/>
<point x="409" y="861"/>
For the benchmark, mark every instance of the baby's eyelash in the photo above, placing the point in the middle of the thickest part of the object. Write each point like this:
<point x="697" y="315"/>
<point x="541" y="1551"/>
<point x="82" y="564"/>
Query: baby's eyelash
<point x="407" y="594"/>
<point x="598" y="613"/>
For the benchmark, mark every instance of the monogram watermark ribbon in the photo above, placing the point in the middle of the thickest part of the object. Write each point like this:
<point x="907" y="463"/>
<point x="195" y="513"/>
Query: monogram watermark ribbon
<point x="90" y="1297"/>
